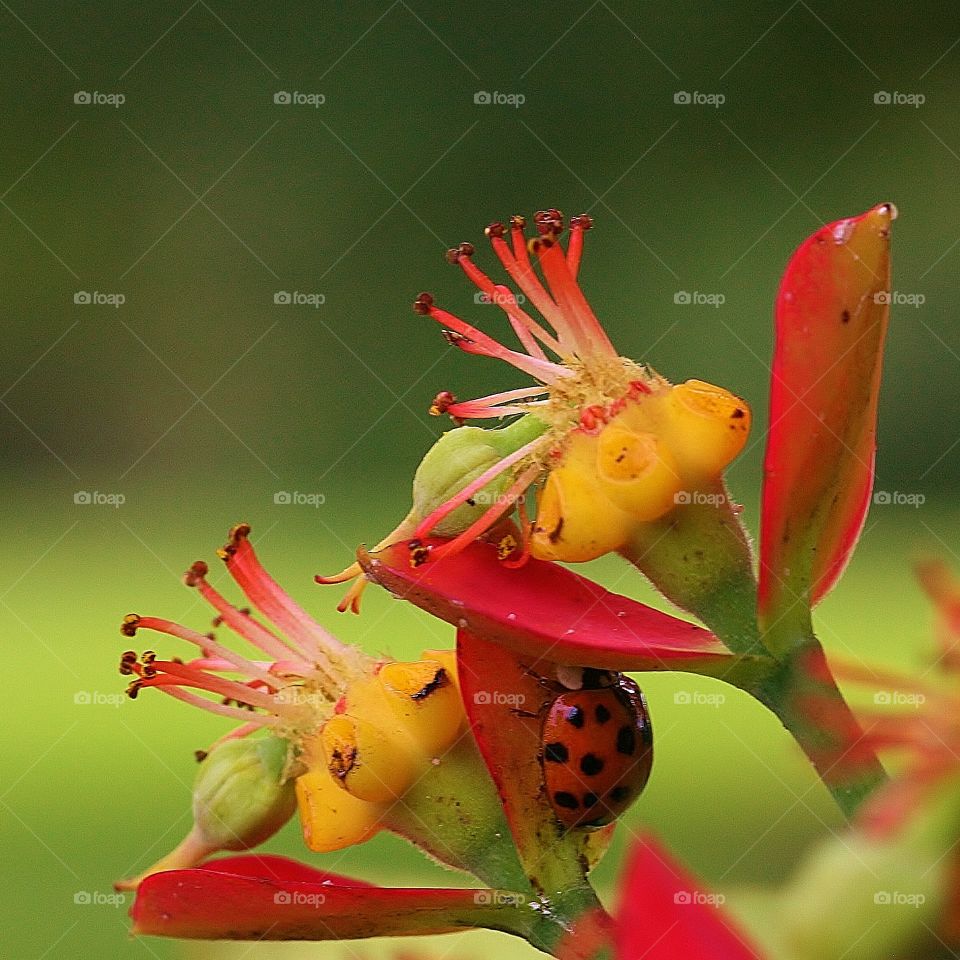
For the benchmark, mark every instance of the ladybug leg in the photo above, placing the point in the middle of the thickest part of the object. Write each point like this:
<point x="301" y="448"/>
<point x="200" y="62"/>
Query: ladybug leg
<point x="544" y="682"/>
<point x="517" y="712"/>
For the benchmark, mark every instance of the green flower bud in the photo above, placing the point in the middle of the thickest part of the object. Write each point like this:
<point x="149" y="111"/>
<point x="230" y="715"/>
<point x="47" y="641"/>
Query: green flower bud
<point x="240" y="797"/>
<point x="458" y="458"/>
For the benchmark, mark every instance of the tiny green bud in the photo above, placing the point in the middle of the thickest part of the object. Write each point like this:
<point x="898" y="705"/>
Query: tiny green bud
<point x="240" y="797"/>
<point x="458" y="458"/>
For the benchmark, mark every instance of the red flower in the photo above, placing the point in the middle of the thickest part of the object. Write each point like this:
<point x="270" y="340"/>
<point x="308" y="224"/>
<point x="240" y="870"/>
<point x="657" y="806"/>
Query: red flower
<point x="273" y="898"/>
<point x="545" y="612"/>
<point x="663" y="914"/>
<point x="831" y="318"/>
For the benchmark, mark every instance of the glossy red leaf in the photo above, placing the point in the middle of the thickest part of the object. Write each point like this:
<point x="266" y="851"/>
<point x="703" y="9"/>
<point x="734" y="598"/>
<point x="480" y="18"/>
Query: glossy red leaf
<point x="545" y="612"/>
<point x="272" y="898"/>
<point x="831" y="321"/>
<point x="664" y="914"/>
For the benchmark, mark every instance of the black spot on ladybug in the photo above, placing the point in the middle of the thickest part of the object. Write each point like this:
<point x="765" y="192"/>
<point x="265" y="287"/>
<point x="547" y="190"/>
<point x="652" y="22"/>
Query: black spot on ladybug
<point x="845" y="316"/>
<point x="738" y="414"/>
<point x="589" y="800"/>
<point x="575" y="717"/>
<point x="601" y="713"/>
<point x="626" y="741"/>
<point x="619" y="794"/>
<point x="556" y="753"/>
<point x="565" y="800"/>
<point x="591" y="764"/>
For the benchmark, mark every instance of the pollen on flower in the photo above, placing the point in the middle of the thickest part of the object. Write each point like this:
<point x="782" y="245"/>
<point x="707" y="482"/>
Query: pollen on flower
<point x="290" y="690"/>
<point x="676" y="438"/>
<point x="583" y="387"/>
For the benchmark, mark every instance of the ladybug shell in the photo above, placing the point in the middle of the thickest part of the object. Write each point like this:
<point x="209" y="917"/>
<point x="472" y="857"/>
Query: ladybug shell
<point x="597" y="752"/>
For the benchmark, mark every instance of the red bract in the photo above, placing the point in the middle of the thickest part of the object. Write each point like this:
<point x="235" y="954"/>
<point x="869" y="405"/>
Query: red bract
<point x="831" y="321"/>
<point x="665" y="915"/>
<point x="273" y="898"/>
<point x="545" y="611"/>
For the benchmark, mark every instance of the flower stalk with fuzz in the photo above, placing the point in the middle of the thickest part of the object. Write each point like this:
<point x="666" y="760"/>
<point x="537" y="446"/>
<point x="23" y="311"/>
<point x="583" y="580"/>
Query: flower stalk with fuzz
<point x="358" y="744"/>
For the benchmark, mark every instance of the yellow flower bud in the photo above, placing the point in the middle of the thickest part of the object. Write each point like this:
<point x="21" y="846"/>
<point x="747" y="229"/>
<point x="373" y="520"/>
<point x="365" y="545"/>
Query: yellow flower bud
<point x="637" y="472"/>
<point x="705" y="426"/>
<point x="372" y="762"/>
<point x="331" y="818"/>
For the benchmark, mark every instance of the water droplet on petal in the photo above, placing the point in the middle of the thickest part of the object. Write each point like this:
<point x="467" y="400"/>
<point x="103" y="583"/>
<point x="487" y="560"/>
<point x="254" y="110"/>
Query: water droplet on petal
<point x="843" y="230"/>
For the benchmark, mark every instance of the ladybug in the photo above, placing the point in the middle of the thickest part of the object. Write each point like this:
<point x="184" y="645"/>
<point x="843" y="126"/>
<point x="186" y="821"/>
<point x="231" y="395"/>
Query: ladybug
<point x="596" y="746"/>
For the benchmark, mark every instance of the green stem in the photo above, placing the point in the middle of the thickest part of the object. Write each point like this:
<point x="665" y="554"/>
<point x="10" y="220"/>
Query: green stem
<point x="800" y="677"/>
<point x="453" y="813"/>
<point x="699" y="557"/>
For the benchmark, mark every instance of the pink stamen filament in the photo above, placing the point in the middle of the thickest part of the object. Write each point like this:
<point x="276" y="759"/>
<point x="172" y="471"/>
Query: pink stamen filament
<point x="221" y="709"/>
<point x="575" y="248"/>
<point x="480" y="526"/>
<point x="239" y="663"/>
<point x="244" y="730"/>
<point x="525" y="327"/>
<point x="445" y="509"/>
<point x="245" y="626"/>
<point x="478" y="342"/>
<point x="589" y="335"/>
<point x="471" y="411"/>
<point x="173" y="674"/>
<point x="521" y="272"/>
<point x="269" y="598"/>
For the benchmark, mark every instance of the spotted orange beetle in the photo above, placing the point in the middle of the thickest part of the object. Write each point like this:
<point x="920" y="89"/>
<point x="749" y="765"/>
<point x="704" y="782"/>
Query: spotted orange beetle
<point x="596" y="746"/>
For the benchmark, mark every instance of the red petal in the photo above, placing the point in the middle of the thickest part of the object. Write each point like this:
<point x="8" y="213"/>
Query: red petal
<point x="544" y="611"/>
<point x="278" y="869"/>
<point x="504" y="701"/>
<point x="665" y="915"/>
<point x="272" y="898"/>
<point x="831" y="321"/>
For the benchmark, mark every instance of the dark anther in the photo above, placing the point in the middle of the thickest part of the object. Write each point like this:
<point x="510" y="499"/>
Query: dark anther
<point x="200" y="755"/>
<point x="130" y="623"/>
<point x="194" y="576"/>
<point x="419" y="553"/>
<point x="442" y="403"/>
<point x="422" y="304"/>
<point x="495" y="229"/>
<point x="549" y="222"/>
<point x="584" y="221"/>
<point x="517" y="221"/>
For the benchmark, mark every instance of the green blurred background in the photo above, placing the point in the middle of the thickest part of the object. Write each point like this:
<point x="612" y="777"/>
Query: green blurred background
<point x="199" y="398"/>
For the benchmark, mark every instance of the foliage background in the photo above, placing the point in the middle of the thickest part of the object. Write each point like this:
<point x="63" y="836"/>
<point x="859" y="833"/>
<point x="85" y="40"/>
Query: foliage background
<point x="199" y="398"/>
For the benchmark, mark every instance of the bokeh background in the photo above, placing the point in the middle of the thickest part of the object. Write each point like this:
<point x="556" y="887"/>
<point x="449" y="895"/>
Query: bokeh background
<point x="198" y="398"/>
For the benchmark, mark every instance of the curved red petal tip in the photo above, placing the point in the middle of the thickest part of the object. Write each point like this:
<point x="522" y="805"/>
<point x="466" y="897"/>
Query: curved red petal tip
<point x="272" y="898"/>
<point x="665" y="914"/>
<point x="543" y="610"/>
<point x="831" y="320"/>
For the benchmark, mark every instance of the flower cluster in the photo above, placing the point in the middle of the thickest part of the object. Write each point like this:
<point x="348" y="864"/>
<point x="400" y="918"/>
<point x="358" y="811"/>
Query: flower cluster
<point x="513" y="756"/>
